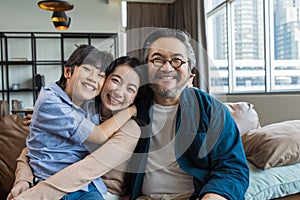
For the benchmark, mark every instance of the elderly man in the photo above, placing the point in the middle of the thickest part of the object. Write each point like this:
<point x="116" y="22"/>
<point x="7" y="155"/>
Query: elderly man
<point x="192" y="147"/>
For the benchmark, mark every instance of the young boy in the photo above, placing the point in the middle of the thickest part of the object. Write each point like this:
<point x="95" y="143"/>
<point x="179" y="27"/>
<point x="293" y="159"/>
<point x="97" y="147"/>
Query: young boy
<point x="64" y="118"/>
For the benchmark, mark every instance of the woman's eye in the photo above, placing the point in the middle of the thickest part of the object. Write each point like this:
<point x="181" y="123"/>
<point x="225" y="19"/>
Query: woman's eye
<point x="131" y="90"/>
<point x="115" y="80"/>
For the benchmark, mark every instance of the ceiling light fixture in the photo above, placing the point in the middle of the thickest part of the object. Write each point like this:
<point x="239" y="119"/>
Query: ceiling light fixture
<point x="55" y="5"/>
<point x="59" y="17"/>
<point x="62" y="25"/>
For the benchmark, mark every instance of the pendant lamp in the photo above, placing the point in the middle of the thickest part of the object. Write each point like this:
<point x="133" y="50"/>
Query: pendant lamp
<point x="59" y="17"/>
<point x="64" y="25"/>
<point x="55" y="5"/>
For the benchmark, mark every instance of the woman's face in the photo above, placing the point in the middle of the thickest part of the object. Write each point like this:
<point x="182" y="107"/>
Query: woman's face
<point x="120" y="88"/>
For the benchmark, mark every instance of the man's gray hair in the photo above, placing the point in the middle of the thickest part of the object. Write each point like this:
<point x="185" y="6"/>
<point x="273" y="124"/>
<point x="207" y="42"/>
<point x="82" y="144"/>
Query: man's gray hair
<point x="184" y="37"/>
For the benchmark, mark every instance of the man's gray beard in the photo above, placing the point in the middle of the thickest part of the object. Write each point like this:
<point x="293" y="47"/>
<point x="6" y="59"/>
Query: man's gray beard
<point x="168" y="93"/>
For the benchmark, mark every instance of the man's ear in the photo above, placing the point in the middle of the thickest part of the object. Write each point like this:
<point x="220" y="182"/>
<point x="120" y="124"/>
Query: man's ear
<point x="67" y="72"/>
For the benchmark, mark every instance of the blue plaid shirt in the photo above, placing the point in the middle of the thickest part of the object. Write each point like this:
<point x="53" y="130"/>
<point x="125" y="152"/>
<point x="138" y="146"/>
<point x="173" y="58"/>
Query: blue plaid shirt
<point x="57" y="132"/>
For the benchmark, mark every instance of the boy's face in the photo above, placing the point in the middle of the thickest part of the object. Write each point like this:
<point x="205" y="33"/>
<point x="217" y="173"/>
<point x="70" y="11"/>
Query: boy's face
<point x="85" y="83"/>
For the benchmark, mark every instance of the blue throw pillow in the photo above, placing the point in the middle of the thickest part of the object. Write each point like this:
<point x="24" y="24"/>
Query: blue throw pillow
<point x="274" y="182"/>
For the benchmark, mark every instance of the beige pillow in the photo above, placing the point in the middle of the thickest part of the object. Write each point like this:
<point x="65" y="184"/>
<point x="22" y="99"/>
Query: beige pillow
<point x="244" y="116"/>
<point x="276" y="144"/>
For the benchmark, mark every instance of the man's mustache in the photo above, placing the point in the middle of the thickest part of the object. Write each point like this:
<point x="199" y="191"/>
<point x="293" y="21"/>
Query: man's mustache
<point x="162" y="74"/>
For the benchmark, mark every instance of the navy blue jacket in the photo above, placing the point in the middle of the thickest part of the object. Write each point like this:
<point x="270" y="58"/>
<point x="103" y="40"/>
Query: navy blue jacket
<point x="207" y="146"/>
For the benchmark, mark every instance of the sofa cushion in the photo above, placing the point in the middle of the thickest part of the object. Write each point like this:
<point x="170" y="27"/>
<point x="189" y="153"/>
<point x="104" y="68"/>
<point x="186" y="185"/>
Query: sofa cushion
<point x="276" y="144"/>
<point x="244" y="115"/>
<point x="273" y="183"/>
<point x="12" y="140"/>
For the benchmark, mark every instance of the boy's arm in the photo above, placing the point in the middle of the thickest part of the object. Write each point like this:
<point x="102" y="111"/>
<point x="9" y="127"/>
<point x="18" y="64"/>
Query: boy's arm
<point x="23" y="176"/>
<point x="115" y="151"/>
<point x="106" y="129"/>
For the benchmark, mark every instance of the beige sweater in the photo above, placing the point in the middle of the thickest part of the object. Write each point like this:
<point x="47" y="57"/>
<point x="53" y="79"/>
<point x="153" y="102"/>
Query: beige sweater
<point x="109" y="160"/>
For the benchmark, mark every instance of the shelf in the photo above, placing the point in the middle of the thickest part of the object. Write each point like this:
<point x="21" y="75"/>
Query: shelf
<point x="48" y="62"/>
<point x="23" y="55"/>
<point x="17" y="62"/>
<point x="19" y="90"/>
<point x="26" y="111"/>
<point x="87" y="35"/>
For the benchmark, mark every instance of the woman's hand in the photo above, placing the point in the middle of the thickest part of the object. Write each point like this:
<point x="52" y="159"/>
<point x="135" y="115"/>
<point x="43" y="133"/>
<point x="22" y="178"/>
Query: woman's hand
<point x="17" y="189"/>
<point x="132" y="110"/>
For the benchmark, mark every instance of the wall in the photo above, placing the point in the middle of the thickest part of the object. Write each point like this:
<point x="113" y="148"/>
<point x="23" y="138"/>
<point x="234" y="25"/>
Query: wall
<point x="86" y="16"/>
<point x="272" y="108"/>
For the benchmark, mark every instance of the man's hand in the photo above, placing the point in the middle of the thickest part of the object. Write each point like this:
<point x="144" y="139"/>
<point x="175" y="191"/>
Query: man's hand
<point x="18" y="188"/>
<point x="212" y="196"/>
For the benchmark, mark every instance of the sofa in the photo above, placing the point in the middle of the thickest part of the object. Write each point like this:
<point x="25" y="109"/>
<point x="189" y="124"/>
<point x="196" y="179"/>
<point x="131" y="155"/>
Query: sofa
<point x="269" y="179"/>
<point x="12" y="140"/>
<point x="273" y="154"/>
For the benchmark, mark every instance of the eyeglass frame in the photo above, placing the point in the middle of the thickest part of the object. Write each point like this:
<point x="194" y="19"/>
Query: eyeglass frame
<point x="165" y="61"/>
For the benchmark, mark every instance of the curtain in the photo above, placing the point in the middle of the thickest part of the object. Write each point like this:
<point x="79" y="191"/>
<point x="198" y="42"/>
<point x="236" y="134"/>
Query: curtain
<point x="185" y="15"/>
<point x="203" y="67"/>
<point x="141" y="18"/>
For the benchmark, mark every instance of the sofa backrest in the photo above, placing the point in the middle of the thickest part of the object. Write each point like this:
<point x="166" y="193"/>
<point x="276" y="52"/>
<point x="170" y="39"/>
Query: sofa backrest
<point x="12" y="140"/>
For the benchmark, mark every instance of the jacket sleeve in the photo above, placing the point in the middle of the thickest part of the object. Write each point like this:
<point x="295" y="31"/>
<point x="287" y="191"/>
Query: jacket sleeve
<point x="229" y="172"/>
<point x="109" y="156"/>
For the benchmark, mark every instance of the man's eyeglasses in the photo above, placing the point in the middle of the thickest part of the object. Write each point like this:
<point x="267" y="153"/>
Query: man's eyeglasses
<point x="174" y="62"/>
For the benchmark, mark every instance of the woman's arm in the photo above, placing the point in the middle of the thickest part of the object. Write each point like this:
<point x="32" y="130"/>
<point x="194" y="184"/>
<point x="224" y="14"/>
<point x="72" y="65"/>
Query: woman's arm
<point x="106" y="129"/>
<point x="115" y="151"/>
<point x="23" y="176"/>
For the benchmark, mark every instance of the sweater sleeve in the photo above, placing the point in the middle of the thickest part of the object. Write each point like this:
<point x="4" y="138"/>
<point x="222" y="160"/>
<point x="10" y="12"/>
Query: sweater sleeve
<point x="106" y="129"/>
<point x="111" y="154"/>
<point x="23" y="170"/>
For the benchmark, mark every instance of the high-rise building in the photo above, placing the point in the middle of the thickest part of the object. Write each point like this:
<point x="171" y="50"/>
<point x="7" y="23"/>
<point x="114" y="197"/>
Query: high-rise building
<point x="286" y="29"/>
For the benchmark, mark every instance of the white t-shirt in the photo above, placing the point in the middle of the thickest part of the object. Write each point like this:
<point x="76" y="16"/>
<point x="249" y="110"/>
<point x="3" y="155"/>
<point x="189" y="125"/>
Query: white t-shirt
<point x="163" y="174"/>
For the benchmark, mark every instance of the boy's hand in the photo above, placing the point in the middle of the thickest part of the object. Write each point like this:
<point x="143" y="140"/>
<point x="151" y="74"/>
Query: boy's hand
<point x="27" y="119"/>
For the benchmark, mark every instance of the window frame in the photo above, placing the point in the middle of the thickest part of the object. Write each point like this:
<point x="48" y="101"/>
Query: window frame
<point x="269" y="60"/>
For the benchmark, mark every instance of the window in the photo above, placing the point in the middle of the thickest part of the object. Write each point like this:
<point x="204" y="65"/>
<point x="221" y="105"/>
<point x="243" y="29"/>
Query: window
<point x="253" y="45"/>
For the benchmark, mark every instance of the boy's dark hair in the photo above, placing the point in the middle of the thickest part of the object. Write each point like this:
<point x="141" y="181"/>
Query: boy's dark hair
<point x="86" y="54"/>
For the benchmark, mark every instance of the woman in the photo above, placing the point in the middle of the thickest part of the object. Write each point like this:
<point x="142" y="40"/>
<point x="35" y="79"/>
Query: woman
<point x="119" y="90"/>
